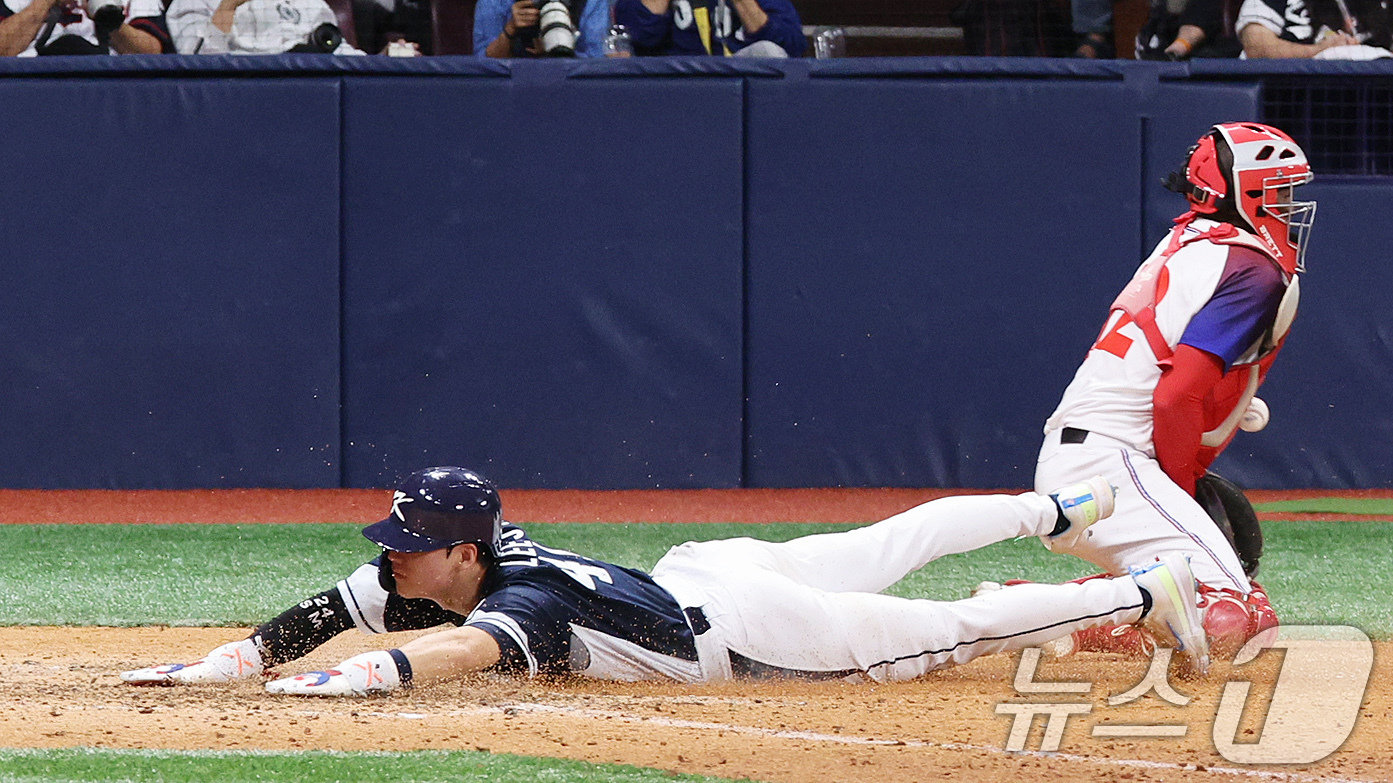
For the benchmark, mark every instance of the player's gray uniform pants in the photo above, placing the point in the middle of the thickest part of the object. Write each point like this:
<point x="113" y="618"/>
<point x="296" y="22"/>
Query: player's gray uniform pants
<point x="813" y="604"/>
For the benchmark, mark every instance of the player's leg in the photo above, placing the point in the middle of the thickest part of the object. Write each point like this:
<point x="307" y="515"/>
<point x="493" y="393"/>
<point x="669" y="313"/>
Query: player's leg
<point x="1153" y="515"/>
<point x="871" y="558"/>
<point x="770" y="619"/>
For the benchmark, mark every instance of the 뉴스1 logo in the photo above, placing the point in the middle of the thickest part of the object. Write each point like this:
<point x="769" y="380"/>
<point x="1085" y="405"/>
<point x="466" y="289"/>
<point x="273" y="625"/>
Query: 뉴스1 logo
<point x="1312" y="709"/>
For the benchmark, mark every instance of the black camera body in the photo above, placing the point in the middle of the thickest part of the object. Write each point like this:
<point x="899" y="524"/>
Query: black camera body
<point x="324" y="39"/>
<point x="107" y="15"/>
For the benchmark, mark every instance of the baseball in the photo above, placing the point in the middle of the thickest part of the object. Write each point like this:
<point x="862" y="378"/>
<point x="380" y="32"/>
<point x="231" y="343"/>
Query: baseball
<point x="1255" y="418"/>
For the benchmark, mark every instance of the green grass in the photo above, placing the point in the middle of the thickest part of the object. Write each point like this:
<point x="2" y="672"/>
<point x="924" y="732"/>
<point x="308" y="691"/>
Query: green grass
<point x="1372" y="506"/>
<point x="122" y="575"/>
<point x="59" y="766"/>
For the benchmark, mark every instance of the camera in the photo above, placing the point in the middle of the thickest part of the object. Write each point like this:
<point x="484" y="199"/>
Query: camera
<point x="324" y="39"/>
<point x="107" y="15"/>
<point x="556" y="28"/>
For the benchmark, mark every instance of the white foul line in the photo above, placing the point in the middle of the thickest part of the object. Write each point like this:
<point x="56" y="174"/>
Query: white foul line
<point x="812" y="736"/>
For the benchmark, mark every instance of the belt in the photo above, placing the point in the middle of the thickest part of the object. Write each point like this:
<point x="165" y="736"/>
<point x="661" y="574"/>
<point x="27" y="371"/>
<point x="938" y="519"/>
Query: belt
<point x="697" y="619"/>
<point x="1072" y="435"/>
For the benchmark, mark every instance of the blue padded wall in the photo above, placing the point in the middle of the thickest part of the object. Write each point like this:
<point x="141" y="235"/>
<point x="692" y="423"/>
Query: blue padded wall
<point x="171" y="283"/>
<point x="928" y="260"/>
<point x="543" y="280"/>
<point x="306" y="271"/>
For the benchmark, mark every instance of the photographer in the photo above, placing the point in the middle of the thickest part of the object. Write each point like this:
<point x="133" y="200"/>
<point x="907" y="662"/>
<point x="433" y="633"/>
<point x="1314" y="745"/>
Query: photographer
<point x="750" y="28"/>
<point x="504" y="29"/>
<point x="32" y="27"/>
<point x="255" y="27"/>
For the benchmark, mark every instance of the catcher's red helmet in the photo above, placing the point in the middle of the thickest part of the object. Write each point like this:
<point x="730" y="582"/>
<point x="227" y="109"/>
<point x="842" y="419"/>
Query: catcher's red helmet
<point x="1251" y="169"/>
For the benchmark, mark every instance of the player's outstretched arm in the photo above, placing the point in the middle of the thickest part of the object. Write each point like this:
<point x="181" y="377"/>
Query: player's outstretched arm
<point x="430" y="658"/>
<point x="232" y="661"/>
<point x="290" y="635"/>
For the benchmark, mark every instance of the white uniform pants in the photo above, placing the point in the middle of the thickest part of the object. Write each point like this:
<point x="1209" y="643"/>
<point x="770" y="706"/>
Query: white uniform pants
<point x="1153" y="515"/>
<point x="813" y="604"/>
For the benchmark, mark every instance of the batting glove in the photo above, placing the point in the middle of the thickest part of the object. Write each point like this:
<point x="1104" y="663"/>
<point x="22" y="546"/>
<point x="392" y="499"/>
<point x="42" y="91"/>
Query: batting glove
<point x="374" y="672"/>
<point x="233" y="661"/>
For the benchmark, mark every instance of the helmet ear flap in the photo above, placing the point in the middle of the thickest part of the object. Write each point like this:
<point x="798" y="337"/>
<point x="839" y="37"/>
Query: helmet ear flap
<point x="1204" y="170"/>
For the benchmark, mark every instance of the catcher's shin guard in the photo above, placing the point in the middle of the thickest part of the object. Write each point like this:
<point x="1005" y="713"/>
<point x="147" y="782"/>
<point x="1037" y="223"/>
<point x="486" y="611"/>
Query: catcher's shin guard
<point x="1230" y="620"/>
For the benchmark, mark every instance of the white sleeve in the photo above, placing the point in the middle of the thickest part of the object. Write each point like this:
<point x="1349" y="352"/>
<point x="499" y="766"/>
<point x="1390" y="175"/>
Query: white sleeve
<point x="145" y="9"/>
<point x="191" y="26"/>
<point x="366" y="600"/>
<point x="1261" y="13"/>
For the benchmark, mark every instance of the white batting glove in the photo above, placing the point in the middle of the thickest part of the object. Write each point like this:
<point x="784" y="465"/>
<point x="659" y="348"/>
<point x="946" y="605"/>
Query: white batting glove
<point x="232" y="661"/>
<point x="374" y="672"/>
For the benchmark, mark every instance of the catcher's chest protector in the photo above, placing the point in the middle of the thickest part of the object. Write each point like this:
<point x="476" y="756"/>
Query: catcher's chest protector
<point x="1138" y="300"/>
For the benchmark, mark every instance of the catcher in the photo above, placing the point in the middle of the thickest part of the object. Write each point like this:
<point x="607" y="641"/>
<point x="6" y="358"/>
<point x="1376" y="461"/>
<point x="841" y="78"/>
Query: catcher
<point x="716" y="610"/>
<point x="1172" y="377"/>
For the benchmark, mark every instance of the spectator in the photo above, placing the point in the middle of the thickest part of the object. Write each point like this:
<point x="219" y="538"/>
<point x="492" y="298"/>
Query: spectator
<point x="1179" y="30"/>
<point x="255" y="27"/>
<point x="1093" y="26"/>
<point x="756" y="28"/>
<point x="1314" y="28"/>
<point x="384" y="26"/>
<point x="1014" y="28"/>
<point x="504" y="30"/>
<point x="32" y="27"/>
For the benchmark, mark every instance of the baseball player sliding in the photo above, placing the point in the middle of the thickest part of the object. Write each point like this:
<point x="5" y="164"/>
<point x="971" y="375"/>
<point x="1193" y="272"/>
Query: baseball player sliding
<point x="717" y="610"/>
<point x="1173" y="375"/>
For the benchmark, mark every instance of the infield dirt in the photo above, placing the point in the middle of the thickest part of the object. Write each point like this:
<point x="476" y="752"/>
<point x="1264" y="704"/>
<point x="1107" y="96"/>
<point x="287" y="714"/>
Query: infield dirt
<point x="65" y="693"/>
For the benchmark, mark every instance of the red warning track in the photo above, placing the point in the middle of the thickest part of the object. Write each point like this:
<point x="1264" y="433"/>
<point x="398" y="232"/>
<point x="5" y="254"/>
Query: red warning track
<point x="361" y="506"/>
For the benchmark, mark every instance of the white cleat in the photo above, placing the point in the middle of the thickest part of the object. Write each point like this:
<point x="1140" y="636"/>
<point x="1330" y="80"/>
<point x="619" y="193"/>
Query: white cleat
<point x="1175" y="614"/>
<point x="233" y="661"/>
<point x="984" y="588"/>
<point x="1082" y="504"/>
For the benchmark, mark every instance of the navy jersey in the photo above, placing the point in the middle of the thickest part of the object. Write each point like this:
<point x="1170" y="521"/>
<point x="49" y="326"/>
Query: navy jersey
<point x="553" y="611"/>
<point x="697" y="27"/>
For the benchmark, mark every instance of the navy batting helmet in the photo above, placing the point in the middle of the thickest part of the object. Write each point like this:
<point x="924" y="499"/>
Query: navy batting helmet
<point x="438" y="508"/>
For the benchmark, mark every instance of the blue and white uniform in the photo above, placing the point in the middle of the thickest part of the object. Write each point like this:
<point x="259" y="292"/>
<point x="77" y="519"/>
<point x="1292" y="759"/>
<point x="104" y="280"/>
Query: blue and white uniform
<point x="552" y="612"/>
<point x="741" y="607"/>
